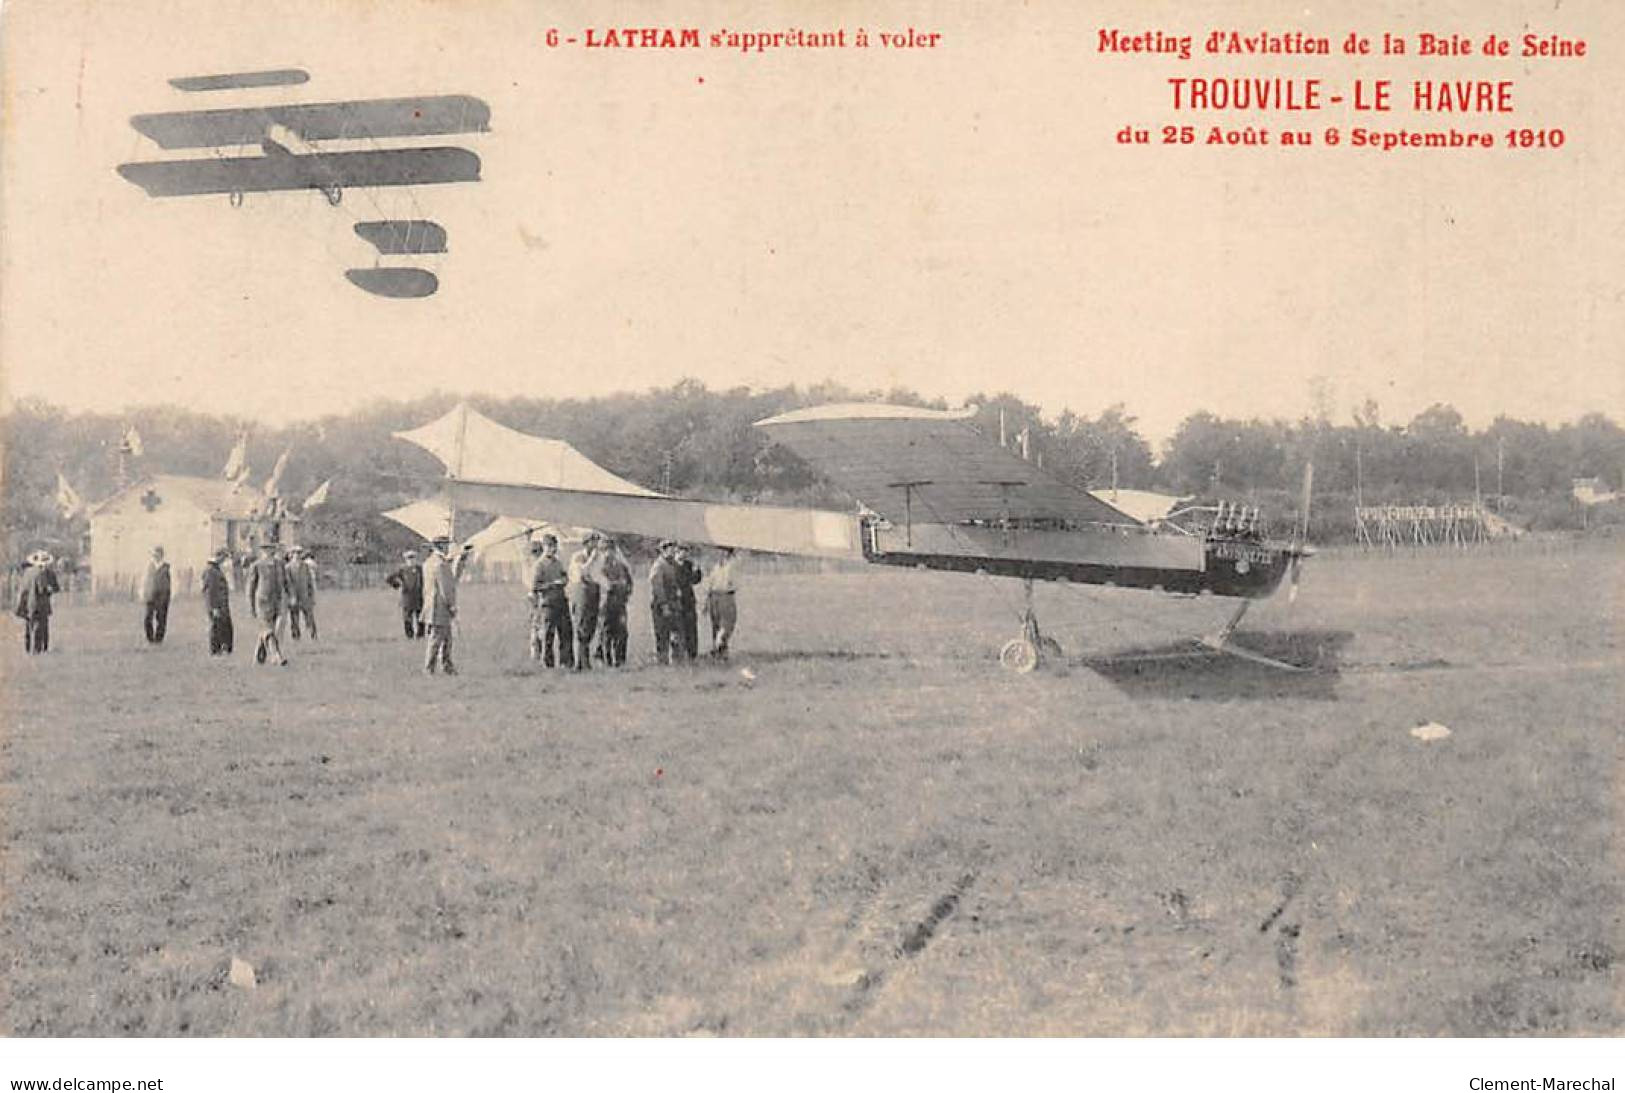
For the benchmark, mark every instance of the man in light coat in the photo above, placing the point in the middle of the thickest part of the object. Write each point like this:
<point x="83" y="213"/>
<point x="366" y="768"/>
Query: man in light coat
<point x="301" y="592"/>
<point x="267" y="600"/>
<point x="585" y="593"/>
<point x="440" y="575"/>
<point x="721" y="604"/>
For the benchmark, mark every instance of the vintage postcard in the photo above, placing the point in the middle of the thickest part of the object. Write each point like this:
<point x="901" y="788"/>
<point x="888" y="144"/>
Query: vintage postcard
<point x="833" y="520"/>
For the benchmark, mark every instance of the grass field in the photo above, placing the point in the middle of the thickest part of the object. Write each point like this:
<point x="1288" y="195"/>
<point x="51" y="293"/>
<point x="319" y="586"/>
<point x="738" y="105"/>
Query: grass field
<point x="879" y="833"/>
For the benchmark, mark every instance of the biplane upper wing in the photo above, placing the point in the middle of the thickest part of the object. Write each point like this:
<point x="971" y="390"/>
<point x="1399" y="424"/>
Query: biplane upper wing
<point x="418" y="116"/>
<point x="931" y="466"/>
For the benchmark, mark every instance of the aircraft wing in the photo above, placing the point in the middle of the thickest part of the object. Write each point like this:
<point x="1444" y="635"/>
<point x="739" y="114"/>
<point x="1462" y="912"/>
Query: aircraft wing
<point x="419" y="116"/>
<point x="766" y="528"/>
<point x="321" y="170"/>
<point x="931" y="466"/>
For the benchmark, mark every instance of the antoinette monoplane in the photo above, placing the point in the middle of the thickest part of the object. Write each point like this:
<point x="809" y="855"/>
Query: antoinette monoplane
<point x="324" y="146"/>
<point x="933" y="492"/>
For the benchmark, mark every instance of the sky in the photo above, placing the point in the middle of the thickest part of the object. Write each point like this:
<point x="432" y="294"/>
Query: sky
<point x="952" y="220"/>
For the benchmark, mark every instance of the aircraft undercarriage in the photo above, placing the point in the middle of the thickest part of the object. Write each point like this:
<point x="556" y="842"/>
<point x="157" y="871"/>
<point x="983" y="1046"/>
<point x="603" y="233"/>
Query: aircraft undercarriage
<point x="1028" y="650"/>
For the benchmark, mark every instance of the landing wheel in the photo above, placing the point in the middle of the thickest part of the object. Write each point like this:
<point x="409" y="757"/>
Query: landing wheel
<point x="334" y="194"/>
<point x="1019" y="655"/>
<point x="1027" y="652"/>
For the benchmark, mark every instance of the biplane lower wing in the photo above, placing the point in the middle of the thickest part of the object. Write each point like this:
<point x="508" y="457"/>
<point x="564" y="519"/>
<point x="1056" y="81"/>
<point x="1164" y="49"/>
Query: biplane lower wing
<point x="320" y="171"/>
<point x="771" y="529"/>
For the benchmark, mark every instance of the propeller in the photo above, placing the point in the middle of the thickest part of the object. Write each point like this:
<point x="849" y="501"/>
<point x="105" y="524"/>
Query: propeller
<point x="1300" y="544"/>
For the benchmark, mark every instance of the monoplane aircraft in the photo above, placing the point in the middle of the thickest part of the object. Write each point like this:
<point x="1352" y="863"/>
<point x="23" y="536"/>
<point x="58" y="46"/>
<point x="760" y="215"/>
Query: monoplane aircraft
<point x="292" y="155"/>
<point x="934" y="494"/>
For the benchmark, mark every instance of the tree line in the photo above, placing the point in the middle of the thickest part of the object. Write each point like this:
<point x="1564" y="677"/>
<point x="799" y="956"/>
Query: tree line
<point x="690" y="440"/>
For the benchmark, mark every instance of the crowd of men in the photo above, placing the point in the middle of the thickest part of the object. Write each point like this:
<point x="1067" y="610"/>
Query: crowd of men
<point x="572" y="603"/>
<point x="577" y="608"/>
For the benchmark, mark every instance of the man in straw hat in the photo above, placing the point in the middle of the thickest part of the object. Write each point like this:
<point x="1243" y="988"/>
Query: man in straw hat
<point x="34" y="592"/>
<point x="217" y="603"/>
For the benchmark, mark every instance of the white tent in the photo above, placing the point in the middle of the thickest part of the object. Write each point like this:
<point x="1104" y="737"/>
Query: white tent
<point x="429" y="517"/>
<point x="507" y="539"/>
<point x="475" y="448"/>
<point x="1144" y="505"/>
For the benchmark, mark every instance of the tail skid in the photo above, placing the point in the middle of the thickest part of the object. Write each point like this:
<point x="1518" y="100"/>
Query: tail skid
<point x="1220" y="642"/>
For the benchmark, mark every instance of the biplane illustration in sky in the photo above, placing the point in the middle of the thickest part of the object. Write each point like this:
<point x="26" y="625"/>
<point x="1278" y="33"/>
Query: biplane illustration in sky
<point x="325" y="146"/>
<point x="934" y="494"/>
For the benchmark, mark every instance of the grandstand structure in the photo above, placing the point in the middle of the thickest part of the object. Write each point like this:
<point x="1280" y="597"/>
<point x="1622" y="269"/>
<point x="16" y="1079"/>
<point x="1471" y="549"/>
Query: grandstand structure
<point x="1390" y="526"/>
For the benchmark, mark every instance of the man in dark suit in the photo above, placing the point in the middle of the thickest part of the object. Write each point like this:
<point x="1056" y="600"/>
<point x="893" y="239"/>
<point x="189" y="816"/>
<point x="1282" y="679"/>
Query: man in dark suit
<point x="688" y="575"/>
<point x="408" y="581"/>
<point x="35" y="589"/>
<point x="217" y="603"/>
<point x="155" y="588"/>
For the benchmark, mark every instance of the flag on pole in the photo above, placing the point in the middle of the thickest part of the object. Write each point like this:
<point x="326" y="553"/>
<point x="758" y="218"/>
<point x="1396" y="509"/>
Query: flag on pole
<point x="131" y="444"/>
<point x="66" y="498"/>
<point x="319" y="497"/>
<point x="273" y="484"/>
<point x="237" y="460"/>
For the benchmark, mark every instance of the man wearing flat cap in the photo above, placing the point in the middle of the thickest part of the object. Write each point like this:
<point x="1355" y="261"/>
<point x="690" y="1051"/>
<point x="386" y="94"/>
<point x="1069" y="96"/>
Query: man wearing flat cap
<point x="440" y="574"/>
<point x="616" y="576"/>
<point x="37" y="585"/>
<point x="408" y="581"/>
<point x="548" y="578"/>
<point x="665" y="602"/>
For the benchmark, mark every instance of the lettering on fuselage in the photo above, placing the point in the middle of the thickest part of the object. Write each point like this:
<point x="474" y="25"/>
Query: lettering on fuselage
<point x="1250" y="553"/>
